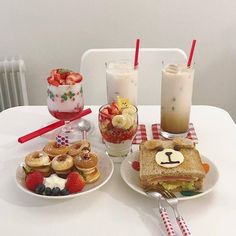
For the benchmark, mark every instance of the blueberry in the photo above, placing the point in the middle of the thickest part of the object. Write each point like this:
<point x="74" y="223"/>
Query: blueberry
<point x="40" y="189"/>
<point x="64" y="192"/>
<point x="56" y="191"/>
<point x="48" y="191"/>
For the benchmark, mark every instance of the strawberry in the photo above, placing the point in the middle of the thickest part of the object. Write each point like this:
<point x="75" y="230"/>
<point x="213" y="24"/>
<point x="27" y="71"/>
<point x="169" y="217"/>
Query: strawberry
<point x="104" y="115"/>
<point x="63" y="73"/>
<point x="114" y="105"/>
<point x="76" y="77"/>
<point x="33" y="179"/>
<point x="114" y="109"/>
<point x="105" y="111"/>
<point x="75" y="182"/>
<point x="56" y="76"/>
<point x="69" y="81"/>
<point x="53" y="72"/>
<point x="53" y="82"/>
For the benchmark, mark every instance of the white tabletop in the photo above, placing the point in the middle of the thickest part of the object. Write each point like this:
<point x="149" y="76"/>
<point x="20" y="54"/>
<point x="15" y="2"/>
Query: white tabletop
<point x="115" y="209"/>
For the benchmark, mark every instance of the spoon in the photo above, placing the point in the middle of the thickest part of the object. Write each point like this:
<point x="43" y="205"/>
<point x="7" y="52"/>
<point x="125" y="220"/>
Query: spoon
<point x="84" y="126"/>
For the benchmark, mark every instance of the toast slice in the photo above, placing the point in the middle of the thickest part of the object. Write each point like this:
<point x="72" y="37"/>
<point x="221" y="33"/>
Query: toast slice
<point x="174" y="164"/>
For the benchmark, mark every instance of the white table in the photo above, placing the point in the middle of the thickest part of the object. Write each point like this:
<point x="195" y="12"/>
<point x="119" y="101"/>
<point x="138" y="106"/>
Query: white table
<point x="115" y="209"/>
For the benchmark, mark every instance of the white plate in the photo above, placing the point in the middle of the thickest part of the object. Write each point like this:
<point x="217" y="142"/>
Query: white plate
<point x="105" y="166"/>
<point x="131" y="176"/>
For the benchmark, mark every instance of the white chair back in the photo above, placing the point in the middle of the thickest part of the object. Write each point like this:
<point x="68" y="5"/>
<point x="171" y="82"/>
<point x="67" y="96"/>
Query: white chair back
<point x="151" y="62"/>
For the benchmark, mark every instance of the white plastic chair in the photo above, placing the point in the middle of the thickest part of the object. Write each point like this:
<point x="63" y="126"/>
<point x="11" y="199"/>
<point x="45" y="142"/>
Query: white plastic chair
<point x="151" y="61"/>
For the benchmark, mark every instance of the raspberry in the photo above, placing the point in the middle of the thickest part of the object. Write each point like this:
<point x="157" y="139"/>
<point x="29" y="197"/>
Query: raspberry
<point x="75" y="182"/>
<point x="136" y="165"/>
<point x="33" y="179"/>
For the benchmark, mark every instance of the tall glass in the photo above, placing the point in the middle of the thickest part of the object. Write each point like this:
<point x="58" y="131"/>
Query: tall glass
<point x="65" y="99"/>
<point x="176" y="100"/>
<point x="118" y="128"/>
<point x="121" y="80"/>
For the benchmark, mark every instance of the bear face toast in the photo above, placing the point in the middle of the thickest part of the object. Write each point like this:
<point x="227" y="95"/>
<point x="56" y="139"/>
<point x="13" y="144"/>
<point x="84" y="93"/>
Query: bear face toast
<point x="174" y="164"/>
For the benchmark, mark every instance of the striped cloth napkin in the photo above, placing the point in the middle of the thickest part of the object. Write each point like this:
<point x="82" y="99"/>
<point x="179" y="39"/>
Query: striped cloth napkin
<point x="141" y="134"/>
<point x="191" y="133"/>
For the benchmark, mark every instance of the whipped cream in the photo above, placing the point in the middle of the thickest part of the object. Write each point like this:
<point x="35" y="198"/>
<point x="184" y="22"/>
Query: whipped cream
<point x="54" y="181"/>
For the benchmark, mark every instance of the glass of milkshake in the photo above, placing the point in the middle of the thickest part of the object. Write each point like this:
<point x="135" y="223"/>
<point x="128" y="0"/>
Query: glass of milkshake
<point x="121" y="80"/>
<point x="176" y="100"/>
<point x="118" y="126"/>
<point x="65" y="99"/>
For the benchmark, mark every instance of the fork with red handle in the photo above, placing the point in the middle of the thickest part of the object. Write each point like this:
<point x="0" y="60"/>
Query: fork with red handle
<point x="172" y="200"/>
<point x="163" y="213"/>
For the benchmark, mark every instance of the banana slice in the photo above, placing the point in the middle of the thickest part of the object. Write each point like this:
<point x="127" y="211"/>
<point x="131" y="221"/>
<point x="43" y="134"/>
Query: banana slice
<point x="129" y="121"/>
<point x="153" y="144"/>
<point x="131" y="110"/>
<point x="119" y="121"/>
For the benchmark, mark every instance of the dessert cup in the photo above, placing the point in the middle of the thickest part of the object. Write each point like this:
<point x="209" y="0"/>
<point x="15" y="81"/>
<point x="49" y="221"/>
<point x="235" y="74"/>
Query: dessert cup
<point x="65" y="100"/>
<point x="118" y="128"/>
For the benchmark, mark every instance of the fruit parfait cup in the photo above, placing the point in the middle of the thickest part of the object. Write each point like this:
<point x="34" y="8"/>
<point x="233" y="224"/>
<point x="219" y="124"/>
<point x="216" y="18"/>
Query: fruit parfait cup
<point x="65" y="99"/>
<point x="118" y="123"/>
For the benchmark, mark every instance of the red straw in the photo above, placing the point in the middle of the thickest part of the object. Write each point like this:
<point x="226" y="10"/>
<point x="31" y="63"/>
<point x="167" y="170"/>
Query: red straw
<point x="136" y="53"/>
<point x="50" y="127"/>
<point x="191" y="53"/>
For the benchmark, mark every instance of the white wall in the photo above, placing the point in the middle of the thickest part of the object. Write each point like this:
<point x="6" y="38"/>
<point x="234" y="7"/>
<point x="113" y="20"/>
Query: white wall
<point x="55" y="33"/>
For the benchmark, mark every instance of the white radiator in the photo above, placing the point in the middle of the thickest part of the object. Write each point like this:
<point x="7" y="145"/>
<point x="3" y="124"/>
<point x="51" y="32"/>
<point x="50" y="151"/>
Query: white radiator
<point x="13" y="90"/>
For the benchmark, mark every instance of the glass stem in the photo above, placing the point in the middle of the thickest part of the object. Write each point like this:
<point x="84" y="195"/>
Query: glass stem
<point x="67" y="127"/>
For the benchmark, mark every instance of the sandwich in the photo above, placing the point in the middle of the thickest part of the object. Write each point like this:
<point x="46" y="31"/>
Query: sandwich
<point x="173" y="164"/>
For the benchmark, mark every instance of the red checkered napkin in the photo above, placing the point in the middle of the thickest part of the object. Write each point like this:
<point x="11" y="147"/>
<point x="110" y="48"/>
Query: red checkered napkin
<point x="141" y="134"/>
<point x="191" y="132"/>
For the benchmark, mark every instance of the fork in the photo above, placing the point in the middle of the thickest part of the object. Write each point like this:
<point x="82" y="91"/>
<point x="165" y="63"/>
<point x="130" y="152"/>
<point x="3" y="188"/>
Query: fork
<point x="163" y="213"/>
<point x="172" y="200"/>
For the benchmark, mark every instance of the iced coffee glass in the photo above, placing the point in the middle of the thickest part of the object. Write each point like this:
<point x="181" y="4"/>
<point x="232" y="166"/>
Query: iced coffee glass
<point x="121" y="80"/>
<point x="176" y="100"/>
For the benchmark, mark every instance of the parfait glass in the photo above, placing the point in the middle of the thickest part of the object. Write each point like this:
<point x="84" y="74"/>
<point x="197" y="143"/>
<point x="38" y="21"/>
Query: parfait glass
<point x="65" y="100"/>
<point x="118" y="128"/>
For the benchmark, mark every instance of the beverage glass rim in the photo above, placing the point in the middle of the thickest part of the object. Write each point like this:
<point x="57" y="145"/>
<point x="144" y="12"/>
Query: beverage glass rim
<point x="108" y="104"/>
<point x="121" y="61"/>
<point x="189" y="69"/>
<point x="63" y="85"/>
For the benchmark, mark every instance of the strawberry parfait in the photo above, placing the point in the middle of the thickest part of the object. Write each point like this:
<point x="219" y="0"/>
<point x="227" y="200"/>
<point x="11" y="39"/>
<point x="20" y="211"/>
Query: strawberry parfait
<point x="65" y="94"/>
<point x="118" y="124"/>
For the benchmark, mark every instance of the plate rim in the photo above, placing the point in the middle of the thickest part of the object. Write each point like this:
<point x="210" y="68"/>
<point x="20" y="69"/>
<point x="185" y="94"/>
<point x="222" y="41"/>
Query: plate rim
<point x="19" y="185"/>
<point x="183" y="198"/>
